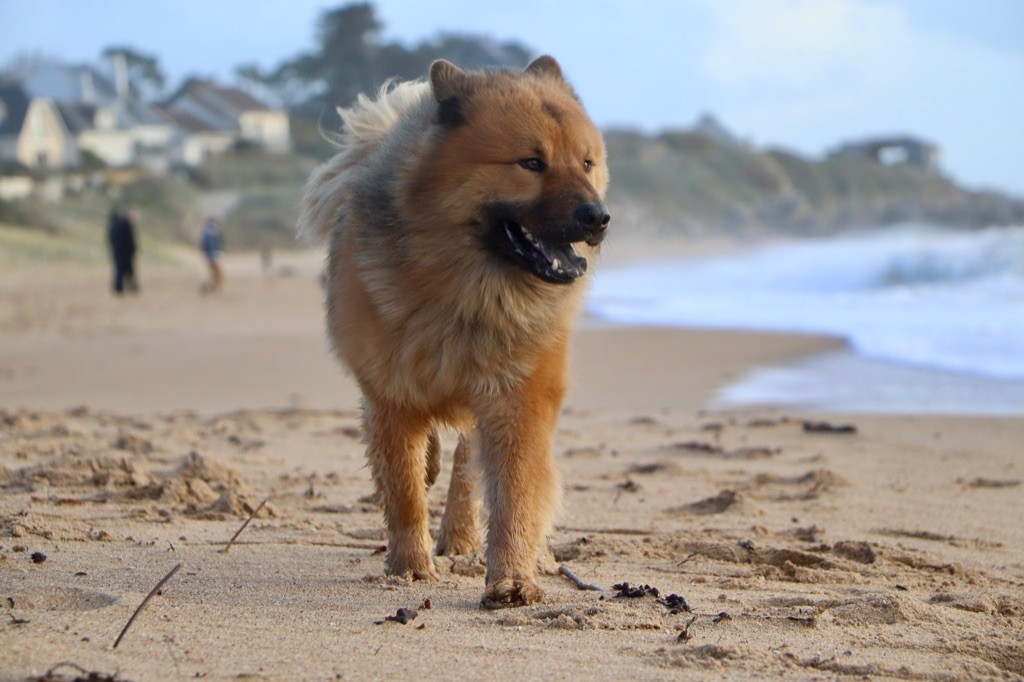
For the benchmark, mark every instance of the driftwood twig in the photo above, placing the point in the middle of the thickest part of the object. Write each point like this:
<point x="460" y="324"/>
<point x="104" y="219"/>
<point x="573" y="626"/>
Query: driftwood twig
<point x="239" y="531"/>
<point x="564" y="570"/>
<point x="145" y="601"/>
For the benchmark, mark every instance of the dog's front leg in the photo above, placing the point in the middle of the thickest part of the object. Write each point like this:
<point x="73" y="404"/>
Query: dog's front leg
<point x="521" y="480"/>
<point x="397" y="444"/>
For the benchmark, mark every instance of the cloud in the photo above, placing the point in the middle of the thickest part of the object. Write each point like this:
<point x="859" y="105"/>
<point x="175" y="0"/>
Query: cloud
<point x="810" y="73"/>
<point x="803" y="43"/>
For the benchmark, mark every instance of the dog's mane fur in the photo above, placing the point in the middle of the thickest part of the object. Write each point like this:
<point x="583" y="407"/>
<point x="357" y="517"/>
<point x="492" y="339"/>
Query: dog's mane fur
<point x="366" y="123"/>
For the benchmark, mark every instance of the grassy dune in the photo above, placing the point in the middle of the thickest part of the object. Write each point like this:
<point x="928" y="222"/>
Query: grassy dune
<point x="23" y="247"/>
<point x="20" y="246"/>
<point x="680" y="183"/>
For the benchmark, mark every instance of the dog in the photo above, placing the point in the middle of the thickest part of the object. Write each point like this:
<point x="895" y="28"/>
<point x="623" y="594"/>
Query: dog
<point x="462" y="214"/>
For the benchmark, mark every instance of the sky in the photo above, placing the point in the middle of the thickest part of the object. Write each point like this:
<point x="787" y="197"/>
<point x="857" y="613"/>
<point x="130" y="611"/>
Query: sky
<point x="803" y="75"/>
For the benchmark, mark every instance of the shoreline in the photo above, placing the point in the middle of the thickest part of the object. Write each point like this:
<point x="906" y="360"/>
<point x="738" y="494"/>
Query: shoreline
<point x="842" y="380"/>
<point x="85" y="347"/>
<point x="66" y="342"/>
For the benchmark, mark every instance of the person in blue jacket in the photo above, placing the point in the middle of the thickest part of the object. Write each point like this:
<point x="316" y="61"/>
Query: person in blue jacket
<point x="211" y="245"/>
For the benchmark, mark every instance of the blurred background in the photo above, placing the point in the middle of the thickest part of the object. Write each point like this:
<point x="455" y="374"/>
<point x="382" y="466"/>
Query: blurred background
<point x="849" y="168"/>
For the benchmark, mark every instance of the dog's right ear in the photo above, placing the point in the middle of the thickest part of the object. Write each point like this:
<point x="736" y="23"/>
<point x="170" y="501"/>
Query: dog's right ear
<point x="546" y="65"/>
<point x="449" y="84"/>
<point x="447" y="80"/>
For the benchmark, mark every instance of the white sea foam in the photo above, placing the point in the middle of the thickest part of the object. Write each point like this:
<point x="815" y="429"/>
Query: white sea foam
<point x="915" y="296"/>
<point x="843" y="382"/>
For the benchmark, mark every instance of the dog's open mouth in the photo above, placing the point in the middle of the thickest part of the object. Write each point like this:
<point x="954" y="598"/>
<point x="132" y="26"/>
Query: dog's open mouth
<point x="555" y="263"/>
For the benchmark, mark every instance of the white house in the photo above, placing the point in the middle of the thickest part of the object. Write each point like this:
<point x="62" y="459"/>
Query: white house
<point x="65" y="110"/>
<point x="196" y="141"/>
<point x="207" y="108"/>
<point x="109" y="121"/>
<point x="33" y="132"/>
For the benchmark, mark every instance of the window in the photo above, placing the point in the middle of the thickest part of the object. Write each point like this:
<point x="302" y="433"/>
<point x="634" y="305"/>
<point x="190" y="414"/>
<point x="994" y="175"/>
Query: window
<point x="893" y="156"/>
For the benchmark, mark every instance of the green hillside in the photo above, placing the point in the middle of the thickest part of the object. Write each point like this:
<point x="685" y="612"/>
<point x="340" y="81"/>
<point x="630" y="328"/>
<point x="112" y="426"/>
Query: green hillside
<point x="692" y="183"/>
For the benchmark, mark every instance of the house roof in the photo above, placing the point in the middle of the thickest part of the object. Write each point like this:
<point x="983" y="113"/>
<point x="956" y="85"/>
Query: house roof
<point x="81" y="87"/>
<point x="77" y="117"/>
<point x="14" y="103"/>
<point x="184" y="120"/>
<point x="134" y="112"/>
<point x="66" y="83"/>
<point x="212" y="106"/>
<point x="241" y="100"/>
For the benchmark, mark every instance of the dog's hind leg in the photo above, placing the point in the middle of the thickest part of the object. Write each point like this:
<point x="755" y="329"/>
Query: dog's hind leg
<point x="433" y="457"/>
<point x="397" y="449"/>
<point x="459" y="532"/>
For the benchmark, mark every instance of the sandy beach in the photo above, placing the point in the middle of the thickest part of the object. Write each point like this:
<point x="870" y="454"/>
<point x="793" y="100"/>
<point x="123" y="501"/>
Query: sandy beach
<point x="139" y="434"/>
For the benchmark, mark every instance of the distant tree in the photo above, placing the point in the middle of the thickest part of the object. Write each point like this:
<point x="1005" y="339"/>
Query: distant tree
<point x="348" y="49"/>
<point x="343" y="64"/>
<point x="145" y="77"/>
<point x="90" y="160"/>
<point x="22" y="65"/>
<point x="350" y="59"/>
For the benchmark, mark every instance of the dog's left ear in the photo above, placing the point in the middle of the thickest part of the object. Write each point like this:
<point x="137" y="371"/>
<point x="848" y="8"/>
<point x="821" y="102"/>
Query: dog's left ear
<point x="546" y="66"/>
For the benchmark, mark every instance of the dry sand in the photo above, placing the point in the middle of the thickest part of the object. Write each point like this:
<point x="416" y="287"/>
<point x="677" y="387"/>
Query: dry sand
<point x="139" y="434"/>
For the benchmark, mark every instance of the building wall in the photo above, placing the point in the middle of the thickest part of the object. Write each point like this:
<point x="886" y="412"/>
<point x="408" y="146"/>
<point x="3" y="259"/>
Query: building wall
<point x="44" y="142"/>
<point x="126" y="147"/>
<point x="15" y="187"/>
<point x="198" y="147"/>
<point x="268" y="128"/>
<point x="115" y="147"/>
<point x="153" y="135"/>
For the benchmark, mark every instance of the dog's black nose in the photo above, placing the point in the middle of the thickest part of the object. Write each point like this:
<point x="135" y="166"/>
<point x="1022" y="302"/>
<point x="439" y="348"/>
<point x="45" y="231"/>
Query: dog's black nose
<point x="594" y="218"/>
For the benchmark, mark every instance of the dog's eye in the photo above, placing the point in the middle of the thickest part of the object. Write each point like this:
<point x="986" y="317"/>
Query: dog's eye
<point x="533" y="164"/>
<point x="587" y="165"/>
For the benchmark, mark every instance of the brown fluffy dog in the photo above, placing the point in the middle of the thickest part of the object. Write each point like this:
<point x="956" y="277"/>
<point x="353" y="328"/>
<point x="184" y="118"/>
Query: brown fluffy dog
<point x="461" y="214"/>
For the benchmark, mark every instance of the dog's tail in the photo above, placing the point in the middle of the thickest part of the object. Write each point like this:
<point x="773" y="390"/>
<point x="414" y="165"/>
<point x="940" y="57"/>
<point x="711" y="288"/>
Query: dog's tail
<point x="366" y="123"/>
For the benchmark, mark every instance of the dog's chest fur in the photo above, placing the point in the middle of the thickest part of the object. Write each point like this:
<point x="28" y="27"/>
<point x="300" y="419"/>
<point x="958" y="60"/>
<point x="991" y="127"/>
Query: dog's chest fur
<point x="453" y="339"/>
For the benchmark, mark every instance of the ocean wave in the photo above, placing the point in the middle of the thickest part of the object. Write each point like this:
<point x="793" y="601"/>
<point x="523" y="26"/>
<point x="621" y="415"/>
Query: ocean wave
<point x="914" y="295"/>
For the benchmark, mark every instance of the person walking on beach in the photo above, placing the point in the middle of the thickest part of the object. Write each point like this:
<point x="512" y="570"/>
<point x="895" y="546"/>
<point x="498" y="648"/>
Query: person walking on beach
<point x="210" y="243"/>
<point x="121" y="237"/>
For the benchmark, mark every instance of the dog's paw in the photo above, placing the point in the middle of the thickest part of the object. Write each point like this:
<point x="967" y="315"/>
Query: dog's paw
<point x="427" y="574"/>
<point x="510" y="592"/>
<point x="416" y="569"/>
<point x="546" y="563"/>
<point x="452" y="544"/>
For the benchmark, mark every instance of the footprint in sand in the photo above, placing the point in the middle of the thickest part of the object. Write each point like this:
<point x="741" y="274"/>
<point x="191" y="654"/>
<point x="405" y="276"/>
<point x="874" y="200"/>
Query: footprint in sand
<point x="55" y="598"/>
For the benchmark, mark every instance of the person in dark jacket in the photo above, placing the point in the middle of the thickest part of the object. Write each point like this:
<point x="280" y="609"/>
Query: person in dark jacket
<point x="121" y="236"/>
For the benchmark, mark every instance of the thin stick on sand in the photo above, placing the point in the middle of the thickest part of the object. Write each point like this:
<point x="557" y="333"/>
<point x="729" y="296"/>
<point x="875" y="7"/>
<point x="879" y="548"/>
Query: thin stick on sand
<point x="580" y="583"/>
<point x="239" y="531"/>
<point x="144" y="602"/>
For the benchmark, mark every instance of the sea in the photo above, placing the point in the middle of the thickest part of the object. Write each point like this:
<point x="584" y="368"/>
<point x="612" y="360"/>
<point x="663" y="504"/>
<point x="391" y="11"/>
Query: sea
<point x="933" y="318"/>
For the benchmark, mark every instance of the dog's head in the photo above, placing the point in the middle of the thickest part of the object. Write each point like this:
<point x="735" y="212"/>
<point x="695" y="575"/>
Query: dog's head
<point x="519" y="161"/>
